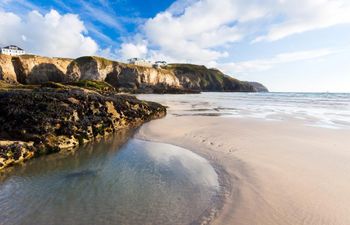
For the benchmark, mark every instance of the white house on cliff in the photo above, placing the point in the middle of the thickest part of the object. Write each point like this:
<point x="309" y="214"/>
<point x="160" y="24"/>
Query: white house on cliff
<point x="12" y="50"/>
<point x="140" y="62"/>
<point x="146" y="63"/>
<point x="160" y="64"/>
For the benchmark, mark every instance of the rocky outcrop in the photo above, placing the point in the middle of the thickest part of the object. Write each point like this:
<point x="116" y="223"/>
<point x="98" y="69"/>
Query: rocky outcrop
<point x="175" y="78"/>
<point x="14" y="152"/>
<point x="51" y="117"/>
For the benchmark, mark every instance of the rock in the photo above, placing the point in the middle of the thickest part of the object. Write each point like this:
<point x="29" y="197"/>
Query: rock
<point x="54" y="117"/>
<point x="89" y="68"/>
<point x="14" y="152"/>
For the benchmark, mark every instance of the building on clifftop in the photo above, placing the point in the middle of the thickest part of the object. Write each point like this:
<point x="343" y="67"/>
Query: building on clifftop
<point x="160" y="64"/>
<point x="12" y="50"/>
<point x="140" y="62"/>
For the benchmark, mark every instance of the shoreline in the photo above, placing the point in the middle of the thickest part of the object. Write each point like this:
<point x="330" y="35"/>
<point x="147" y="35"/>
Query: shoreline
<point x="281" y="172"/>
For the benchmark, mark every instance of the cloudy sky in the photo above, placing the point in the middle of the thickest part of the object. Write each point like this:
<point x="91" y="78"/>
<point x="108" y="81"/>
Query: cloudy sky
<point x="288" y="45"/>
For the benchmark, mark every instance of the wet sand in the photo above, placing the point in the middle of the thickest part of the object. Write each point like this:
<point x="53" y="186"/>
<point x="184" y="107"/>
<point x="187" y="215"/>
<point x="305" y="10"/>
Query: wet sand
<point x="282" y="172"/>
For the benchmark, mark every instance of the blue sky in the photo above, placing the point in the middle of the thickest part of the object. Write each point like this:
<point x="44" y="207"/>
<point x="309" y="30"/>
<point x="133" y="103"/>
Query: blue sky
<point x="288" y="45"/>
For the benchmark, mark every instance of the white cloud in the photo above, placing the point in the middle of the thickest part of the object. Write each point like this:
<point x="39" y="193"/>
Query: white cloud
<point x="198" y="30"/>
<point x="305" y="15"/>
<point x="131" y="50"/>
<point x="265" y="64"/>
<point x="179" y="6"/>
<point x="51" y="34"/>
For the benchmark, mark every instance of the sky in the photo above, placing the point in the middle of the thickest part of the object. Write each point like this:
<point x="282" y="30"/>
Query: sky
<point x="288" y="45"/>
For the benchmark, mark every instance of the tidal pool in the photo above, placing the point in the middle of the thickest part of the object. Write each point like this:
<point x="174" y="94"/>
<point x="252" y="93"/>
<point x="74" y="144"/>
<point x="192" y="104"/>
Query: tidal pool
<point x="112" y="182"/>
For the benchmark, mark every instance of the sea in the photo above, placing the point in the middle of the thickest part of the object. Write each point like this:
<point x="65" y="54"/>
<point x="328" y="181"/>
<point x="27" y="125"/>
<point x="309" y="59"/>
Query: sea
<point x="329" y="110"/>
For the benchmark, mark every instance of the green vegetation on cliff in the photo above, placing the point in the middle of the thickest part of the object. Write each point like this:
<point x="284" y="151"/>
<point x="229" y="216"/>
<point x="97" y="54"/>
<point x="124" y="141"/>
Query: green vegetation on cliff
<point x="102" y="61"/>
<point x="94" y="85"/>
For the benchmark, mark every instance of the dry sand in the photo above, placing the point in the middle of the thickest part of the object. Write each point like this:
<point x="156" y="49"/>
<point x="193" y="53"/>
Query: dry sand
<point x="281" y="172"/>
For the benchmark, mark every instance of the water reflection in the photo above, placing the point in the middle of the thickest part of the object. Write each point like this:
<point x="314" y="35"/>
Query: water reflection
<point x="111" y="183"/>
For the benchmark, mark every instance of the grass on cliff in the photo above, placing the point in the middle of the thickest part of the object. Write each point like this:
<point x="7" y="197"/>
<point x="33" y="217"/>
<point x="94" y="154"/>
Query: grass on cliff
<point x="191" y="68"/>
<point x="93" y="85"/>
<point x="102" y="61"/>
<point x="186" y="67"/>
<point x="31" y="56"/>
<point x="86" y="84"/>
<point x="7" y="86"/>
<point x="206" y="74"/>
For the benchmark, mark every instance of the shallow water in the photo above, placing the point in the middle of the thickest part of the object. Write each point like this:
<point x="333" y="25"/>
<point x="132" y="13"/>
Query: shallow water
<point x="331" y="110"/>
<point x="111" y="182"/>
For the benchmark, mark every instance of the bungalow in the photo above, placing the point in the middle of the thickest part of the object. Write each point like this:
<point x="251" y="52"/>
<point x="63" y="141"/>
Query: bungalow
<point x="140" y="62"/>
<point x="12" y="50"/>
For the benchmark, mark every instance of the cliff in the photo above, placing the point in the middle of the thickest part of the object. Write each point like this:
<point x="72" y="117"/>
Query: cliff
<point x="175" y="78"/>
<point x="31" y="69"/>
<point x="47" y="118"/>
<point x="121" y="76"/>
<point x="204" y="79"/>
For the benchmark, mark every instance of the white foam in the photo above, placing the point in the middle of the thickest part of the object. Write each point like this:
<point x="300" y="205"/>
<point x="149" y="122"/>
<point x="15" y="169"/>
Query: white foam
<point x="315" y="109"/>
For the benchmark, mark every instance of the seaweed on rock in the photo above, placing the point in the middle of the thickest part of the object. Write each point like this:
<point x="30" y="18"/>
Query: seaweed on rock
<point x="52" y="117"/>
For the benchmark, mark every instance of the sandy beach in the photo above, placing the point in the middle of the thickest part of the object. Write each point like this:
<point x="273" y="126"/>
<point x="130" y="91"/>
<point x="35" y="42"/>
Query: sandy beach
<point x="176" y="112"/>
<point x="282" y="172"/>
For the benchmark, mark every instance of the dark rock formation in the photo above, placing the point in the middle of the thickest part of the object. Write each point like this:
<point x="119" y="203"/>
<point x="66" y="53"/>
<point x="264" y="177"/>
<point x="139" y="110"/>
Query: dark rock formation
<point x="44" y="119"/>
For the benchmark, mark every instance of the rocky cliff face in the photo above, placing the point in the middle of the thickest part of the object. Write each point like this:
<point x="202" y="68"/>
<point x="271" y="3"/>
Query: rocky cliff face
<point x="29" y="69"/>
<point x="38" y="120"/>
<point x="7" y="69"/>
<point x="120" y="75"/>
